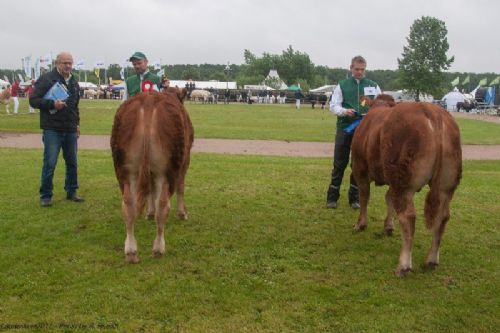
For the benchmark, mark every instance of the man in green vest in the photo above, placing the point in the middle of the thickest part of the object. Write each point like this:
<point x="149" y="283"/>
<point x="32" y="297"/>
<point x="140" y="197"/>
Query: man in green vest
<point x="134" y="83"/>
<point x="346" y="105"/>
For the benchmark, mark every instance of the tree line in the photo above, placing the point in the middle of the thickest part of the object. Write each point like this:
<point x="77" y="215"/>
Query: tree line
<point x="421" y="69"/>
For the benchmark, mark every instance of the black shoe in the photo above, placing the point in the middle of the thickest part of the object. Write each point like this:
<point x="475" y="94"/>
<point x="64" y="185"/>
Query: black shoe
<point x="332" y="195"/>
<point x="355" y="205"/>
<point x="75" y="198"/>
<point x="331" y="204"/>
<point x="46" y="202"/>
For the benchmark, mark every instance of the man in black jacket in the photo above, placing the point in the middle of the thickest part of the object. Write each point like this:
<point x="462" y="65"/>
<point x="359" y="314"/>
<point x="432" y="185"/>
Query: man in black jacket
<point x="60" y="122"/>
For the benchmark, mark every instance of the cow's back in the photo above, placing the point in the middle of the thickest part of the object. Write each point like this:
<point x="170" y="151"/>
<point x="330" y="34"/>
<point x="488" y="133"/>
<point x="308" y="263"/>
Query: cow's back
<point x="420" y="140"/>
<point x="152" y="134"/>
<point x="406" y="145"/>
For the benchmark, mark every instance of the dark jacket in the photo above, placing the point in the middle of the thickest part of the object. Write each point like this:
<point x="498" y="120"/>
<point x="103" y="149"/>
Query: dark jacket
<point x="66" y="119"/>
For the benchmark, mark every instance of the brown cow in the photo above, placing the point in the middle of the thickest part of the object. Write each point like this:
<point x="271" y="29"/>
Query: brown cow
<point x="408" y="146"/>
<point x="5" y="98"/>
<point x="151" y="142"/>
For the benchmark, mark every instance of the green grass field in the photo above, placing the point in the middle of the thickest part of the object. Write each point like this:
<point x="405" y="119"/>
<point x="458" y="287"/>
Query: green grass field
<point x="260" y="253"/>
<point x="238" y="121"/>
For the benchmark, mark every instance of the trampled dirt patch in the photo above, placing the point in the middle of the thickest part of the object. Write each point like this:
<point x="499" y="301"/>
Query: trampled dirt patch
<point x="254" y="147"/>
<point x="244" y="147"/>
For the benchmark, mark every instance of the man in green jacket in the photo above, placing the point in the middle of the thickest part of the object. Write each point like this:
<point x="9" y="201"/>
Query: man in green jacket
<point x="139" y="82"/>
<point x="346" y="105"/>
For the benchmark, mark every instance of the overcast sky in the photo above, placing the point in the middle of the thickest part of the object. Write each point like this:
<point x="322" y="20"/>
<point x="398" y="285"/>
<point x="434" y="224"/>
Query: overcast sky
<point x="331" y="32"/>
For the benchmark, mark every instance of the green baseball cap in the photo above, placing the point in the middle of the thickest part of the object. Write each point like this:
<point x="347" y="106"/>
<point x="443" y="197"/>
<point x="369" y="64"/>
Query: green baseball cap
<point x="137" y="55"/>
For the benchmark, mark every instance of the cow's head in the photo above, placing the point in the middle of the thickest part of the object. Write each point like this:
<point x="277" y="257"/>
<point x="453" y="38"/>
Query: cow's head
<point x="380" y="100"/>
<point x="181" y="93"/>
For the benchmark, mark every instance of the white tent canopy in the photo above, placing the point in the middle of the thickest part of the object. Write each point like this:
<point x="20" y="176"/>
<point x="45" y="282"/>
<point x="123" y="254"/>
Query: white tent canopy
<point x="324" y="89"/>
<point x="274" y="76"/>
<point x="452" y="98"/>
<point x="87" y="85"/>
<point x="256" y="87"/>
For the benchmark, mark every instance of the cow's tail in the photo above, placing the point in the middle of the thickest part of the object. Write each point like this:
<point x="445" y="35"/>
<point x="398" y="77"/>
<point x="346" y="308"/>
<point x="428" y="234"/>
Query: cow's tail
<point x="143" y="183"/>
<point x="433" y="201"/>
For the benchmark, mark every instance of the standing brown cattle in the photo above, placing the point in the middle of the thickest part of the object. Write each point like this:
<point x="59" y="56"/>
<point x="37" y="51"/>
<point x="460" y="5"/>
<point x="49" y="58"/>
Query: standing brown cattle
<point x="151" y="143"/>
<point x="408" y="146"/>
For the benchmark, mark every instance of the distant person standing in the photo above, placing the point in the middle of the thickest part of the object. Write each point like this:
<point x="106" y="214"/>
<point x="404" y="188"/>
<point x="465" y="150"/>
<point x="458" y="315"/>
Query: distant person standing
<point x="137" y="83"/>
<point x="298" y="96"/>
<point x="14" y="93"/>
<point x="29" y="92"/>
<point x="165" y="83"/>
<point x="346" y="105"/>
<point x="60" y="122"/>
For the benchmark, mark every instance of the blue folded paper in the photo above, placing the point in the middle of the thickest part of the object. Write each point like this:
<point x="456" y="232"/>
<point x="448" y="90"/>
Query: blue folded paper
<point x="57" y="92"/>
<point x="349" y="129"/>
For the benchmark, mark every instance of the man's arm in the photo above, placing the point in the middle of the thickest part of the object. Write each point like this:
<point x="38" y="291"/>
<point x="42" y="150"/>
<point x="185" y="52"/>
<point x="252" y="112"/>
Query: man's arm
<point x="336" y="102"/>
<point x="36" y="99"/>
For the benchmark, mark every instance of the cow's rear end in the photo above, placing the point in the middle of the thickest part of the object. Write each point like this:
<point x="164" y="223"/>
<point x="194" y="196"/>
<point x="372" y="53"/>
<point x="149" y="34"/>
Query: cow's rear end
<point x="151" y="141"/>
<point x="407" y="147"/>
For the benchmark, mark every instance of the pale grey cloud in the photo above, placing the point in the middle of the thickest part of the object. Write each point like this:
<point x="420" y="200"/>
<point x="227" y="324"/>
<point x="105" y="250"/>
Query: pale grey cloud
<point x="218" y="31"/>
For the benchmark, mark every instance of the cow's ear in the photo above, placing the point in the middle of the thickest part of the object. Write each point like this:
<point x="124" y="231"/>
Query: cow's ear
<point x="388" y="99"/>
<point x="365" y="101"/>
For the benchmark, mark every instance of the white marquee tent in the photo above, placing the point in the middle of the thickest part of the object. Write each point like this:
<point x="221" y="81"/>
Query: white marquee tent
<point x="452" y="98"/>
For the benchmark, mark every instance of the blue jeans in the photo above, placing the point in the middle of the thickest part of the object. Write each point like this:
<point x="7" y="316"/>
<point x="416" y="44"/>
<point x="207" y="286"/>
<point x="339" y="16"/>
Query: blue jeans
<point x="53" y="141"/>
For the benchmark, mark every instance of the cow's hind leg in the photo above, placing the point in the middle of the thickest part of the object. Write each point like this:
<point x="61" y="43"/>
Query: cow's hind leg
<point x="437" y="215"/>
<point x="403" y="204"/>
<point x="388" y="222"/>
<point x="129" y="211"/>
<point x="181" y="204"/>
<point x="162" y="210"/>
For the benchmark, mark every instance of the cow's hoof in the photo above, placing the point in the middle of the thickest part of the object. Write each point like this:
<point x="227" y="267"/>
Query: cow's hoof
<point x="182" y="216"/>
<point x="360" y="227"/>
<point x="150" y="216"/>
<point x="158" y="254"/>
<point x="132" y="258"/>
<point x="388" y="232"/>
<point x="430" y="266"/>
<point x="402" y="272"/>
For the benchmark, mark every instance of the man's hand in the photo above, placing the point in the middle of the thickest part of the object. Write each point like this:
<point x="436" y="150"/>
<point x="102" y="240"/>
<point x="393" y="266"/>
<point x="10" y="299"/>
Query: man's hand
<point x="59" y="104"/>
<point x="351" y="113"/>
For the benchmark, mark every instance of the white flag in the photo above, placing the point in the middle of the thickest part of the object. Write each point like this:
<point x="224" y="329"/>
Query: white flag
<point x="6" y="78"/>
<point x="79" y="64"/>
<point x="122" y="73"/>
<point x="100" y="64"/>
<point x="37" y="68"/>
<point x="46" y="60"/>
<point x="27" y="66"/>
<point x="161" y="72"/>
<point x="20" y="76"/>
<point x="157" y="64"/>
